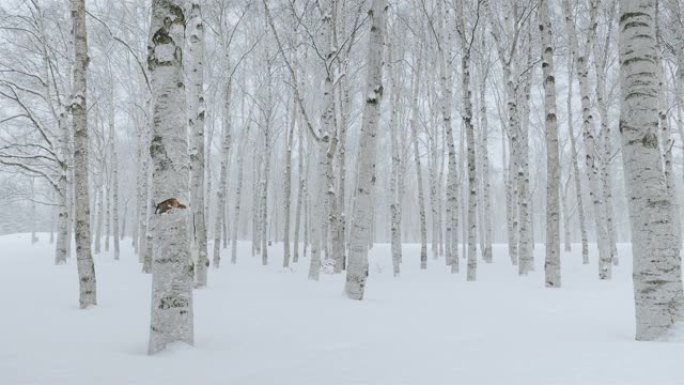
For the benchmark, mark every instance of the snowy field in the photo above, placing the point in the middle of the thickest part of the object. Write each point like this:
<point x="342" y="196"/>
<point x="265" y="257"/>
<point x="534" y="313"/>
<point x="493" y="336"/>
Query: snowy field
<point x="266" y="325"/>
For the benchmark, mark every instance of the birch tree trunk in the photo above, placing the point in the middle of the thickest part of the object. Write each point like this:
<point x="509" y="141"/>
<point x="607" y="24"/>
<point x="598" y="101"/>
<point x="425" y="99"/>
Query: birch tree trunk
<point x="221" y="191"/>
<point x="301" y="192"/>
<point x="238" y="196"/>
<point x="84" y="257"/>
<point x="657" y="263"/>
<point x="114" y="166"/>
<point x="575" y="172"/>
<point x="552" y="262"/>
<point x="172" y="270"/>
<point x="666" y="141"/>
<point x="467" y="100"/>
<point x="484" y="156"/>
<point x="600" y="58"/>
<point x="592" y="156"/>
<point x="63" y="221"/>
<point x="395" y="203"/>
<point x="357" y="271"/>
<point x="446" y="80"/>
<point x="195" y="62"/>
<point x="287" y="196"/>
<point x="419" y="171"/>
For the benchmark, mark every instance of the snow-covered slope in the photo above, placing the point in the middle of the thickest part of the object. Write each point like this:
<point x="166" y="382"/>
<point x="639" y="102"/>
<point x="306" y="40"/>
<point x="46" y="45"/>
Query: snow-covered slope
<point x="266" y="325"/>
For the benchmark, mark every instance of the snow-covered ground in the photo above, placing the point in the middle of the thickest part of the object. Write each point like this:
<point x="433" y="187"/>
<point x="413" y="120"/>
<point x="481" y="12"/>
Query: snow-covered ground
<point x="267" y="325"/>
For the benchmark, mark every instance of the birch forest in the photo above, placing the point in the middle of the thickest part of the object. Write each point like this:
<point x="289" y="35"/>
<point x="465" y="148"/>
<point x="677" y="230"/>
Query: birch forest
<point x="341" y="191"/>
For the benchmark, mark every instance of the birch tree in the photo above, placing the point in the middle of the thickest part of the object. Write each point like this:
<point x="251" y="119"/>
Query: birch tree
<point x="172" y="270"/>
<point x="657" y="264"/>
<point x="552" y="262"/>
<point x="196" y="111"/>
<point x="357" y="271"/>
<point x="593" y="162"/>
<point x="84" y="257"/>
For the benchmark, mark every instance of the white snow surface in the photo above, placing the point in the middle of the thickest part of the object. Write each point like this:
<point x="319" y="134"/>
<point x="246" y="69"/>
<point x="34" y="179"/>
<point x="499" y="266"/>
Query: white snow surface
<point x="267" y="325"/>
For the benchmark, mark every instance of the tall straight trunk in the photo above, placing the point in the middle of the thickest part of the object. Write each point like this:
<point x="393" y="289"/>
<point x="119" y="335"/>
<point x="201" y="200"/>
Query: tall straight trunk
<point x="415" y="92"/>
<point x="222" y="189"/>
<point x="287" y="196"/>
<point x="84" y="257"/>
<point x="196" y="111"/>
<point x="484" y="157"/>
<point x="264" y="188"/>
<point x="657" y="263"/>
<point x="114" y="187"/>
<point x="575" y="172"/>
<point x="318" y="211"/>
<point x="552" y="261"/>
<point x="467" y="100"/>
<point x="593" y="162"/>
<point x="100" y="204"/>
<point x="395" y="203"/>
<point x="472" y="177"/>
<point x="600" y="58"/>
<point x="432" y="161"/>
<point x="416" y="155"/>
<point x="341" y="228"/>
<point x="256" y="201"/>
<point x="301" y="192"/>
<point x="565" y="212"/>
<point x="147" y="223"/>
<point x="34" y="239"/>
<point x="172" y="270"/>
<point x="525" y="235"/>
<point x="63" y="220"/>
<point x="238" y="195"/>
<point x="666" y="140"/>
<point x="357" y="272"/>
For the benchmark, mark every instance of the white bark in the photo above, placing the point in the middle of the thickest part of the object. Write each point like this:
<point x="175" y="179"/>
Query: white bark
<point x="416" y="155"/>
<point x="196" y="112"/>
<point x="238" y="196"/>
<point x="114" y="166"/>
<point x="357" y="271"/>
<point x="172" y="270"/>
<point x="84" y="257"/>
<point x="657" y="263"/>
<point x="221" y="190"/>
<point x="301" y="192"/>
<point x="395" y="202"/>
<point x="287" y="196"/>
<point x="467" y="100"/>
<point x="63" y="220"/>
<point x="552" y="262"/>
<point x="575" y="171"/>
<point x="593" y="162"/>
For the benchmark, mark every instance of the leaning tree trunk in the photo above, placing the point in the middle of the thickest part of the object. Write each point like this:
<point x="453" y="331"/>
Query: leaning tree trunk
<point x="357" y="271"/>
<point x="552" y="262"/>
<point x="657" y="263"/>
<point x="172" y="270"/>
<point x="195" y="61"/>
<point x="84" y="257"/>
